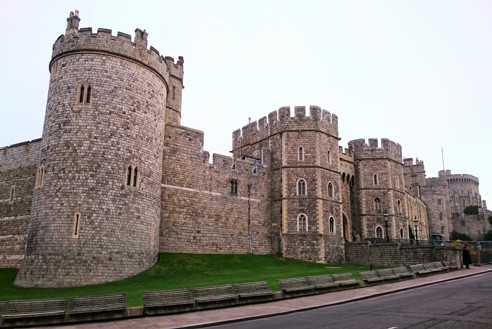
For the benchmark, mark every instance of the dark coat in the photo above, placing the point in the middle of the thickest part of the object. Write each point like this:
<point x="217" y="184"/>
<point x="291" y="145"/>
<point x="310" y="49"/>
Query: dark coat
<point x="466" y="257"/>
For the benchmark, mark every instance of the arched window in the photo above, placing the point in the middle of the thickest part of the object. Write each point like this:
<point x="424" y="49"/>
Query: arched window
<point x="301" y="187"/>
<point x="398" y="206"/>
<point x="88" y="98"/>
<point x="401" y="233"/>
<point x="233" y="186"/>
<point x="81" y="94"/>
<point x="331" y="225"/>
<point x="129" y="173"/>
<point x="300" y="153"/>
<point x="379" y="232"/>
<point x="84" y="93"/>
<point x="330" y="190"/>
<point x="377" y="205"/>
<point x="302" y="223"/>
<point x="375" y="179"/>
<point x="442" y="230"/>
<point x="133" y="176"/>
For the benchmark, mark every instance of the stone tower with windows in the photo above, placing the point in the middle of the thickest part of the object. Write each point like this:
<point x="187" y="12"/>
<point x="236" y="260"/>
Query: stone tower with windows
<point x="96" y="205"/>
<point x="306" y="194"/>
<point x="381" y="205"/>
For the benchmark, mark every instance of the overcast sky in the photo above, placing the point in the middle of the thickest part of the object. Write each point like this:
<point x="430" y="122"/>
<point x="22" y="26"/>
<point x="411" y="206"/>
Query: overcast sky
<point x="416" y="72"/>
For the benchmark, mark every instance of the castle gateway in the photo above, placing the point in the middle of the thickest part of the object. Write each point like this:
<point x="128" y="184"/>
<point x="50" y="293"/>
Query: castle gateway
<point x="116" y="179"/>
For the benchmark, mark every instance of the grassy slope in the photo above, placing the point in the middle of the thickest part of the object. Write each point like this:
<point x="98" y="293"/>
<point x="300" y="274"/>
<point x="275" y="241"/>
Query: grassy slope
<point x="184" y="271"/>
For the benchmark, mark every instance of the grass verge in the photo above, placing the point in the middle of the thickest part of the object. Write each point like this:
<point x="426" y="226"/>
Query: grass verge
<point x="185" y="271"/>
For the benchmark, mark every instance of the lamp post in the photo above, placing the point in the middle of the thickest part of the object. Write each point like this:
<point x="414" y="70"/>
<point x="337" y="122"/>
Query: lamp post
<point x="386" y="226"/>
<point x="250" y="241"/>
<point x="254" y="162"/>
<point x="416" y="221"/>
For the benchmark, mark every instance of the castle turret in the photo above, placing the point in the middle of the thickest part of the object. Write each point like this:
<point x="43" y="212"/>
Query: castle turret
<point x="96" y="204"/>
<point x="380" y="189"/>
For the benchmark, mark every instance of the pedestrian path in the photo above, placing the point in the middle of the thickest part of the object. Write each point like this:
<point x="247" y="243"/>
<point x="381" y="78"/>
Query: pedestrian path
<point x="251" y="311"/>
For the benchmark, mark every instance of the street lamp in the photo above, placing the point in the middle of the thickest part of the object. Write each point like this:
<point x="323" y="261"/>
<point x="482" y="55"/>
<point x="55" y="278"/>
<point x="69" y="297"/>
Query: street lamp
<point x="416" y="221"/>
<point x="386" y="225"/>
<point x="254" y="162"/>
<point x="250" y="241"/>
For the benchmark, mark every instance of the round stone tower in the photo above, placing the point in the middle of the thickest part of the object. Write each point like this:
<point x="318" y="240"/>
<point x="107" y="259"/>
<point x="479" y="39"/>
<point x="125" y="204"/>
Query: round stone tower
<point x="96" y="205"/>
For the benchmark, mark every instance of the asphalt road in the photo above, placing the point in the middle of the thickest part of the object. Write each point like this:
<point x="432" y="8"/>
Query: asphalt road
<point x="465" y="303"/>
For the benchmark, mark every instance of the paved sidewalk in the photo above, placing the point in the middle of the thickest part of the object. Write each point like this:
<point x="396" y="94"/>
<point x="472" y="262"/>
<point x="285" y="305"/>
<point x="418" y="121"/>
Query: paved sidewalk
<point x="232" y="314"/>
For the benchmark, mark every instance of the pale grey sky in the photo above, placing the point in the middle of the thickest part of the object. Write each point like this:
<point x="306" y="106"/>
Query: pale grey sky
<point x="416" y="72"/>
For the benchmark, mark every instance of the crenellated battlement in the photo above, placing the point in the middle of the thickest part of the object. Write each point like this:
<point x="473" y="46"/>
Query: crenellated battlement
<point x="20" y="154"/>
<point x="446" y="174"/>
<point x="408" y="162"/>
<point x="346" y="154"/>
<point x="373" y="149"/>
<point x="121" y="44"/>
<point x="281" y="121"/>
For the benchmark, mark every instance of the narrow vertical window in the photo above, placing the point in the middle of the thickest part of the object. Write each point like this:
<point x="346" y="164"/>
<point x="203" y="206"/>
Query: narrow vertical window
<point x="174" y="92"/>
<point x="329" y="157"/>
<point x="129" y="176"/>
<point x="401" y="233"/>
<point x="375" y="179"/>
<point x="442" y="230"/>
<point x="397" y="182"/>
<point x="233" y="187"/>
<point x="301" y="187"/>
<point x="12" y="193"/>
<point x="398" y="206"/>
<point x="302" y="223"/>
<point x="300" y="153"/>
<point x="39" y="177"/>
<point x="330" y="190"/>
<point x="332" y="225"/>
<point x="135" y="176"/>
<point x="81" y="94"/>
<point x="88" y="99"/>
<point x="440" y="216"/>
<point x="76" y="225"/>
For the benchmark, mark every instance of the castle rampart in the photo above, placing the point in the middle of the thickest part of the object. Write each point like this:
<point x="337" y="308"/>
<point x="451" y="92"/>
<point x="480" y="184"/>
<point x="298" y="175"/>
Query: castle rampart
<point x="458" y="177"/>
<point x="206" y="204"/>
<point x="372" y="150"/>
<point x="103" y="41"/>
<point x="281" y="121"/>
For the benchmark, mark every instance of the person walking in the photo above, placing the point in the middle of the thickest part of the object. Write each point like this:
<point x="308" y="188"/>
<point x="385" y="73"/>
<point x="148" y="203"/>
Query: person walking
<point x="466" y="257"/>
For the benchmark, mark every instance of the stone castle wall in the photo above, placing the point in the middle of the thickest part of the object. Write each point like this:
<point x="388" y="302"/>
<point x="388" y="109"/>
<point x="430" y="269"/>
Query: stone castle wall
<point x="392" y="255"/>
<point x="199" y="212"/>
<point x="18" y="165"/>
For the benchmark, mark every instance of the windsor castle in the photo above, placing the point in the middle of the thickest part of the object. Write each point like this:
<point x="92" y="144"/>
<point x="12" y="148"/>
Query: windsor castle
<point x="116" y="179"/>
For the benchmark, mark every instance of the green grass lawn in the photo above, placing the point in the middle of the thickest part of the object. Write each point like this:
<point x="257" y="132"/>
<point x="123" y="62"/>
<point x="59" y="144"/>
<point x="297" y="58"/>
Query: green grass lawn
<point x="185" y="271"/>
